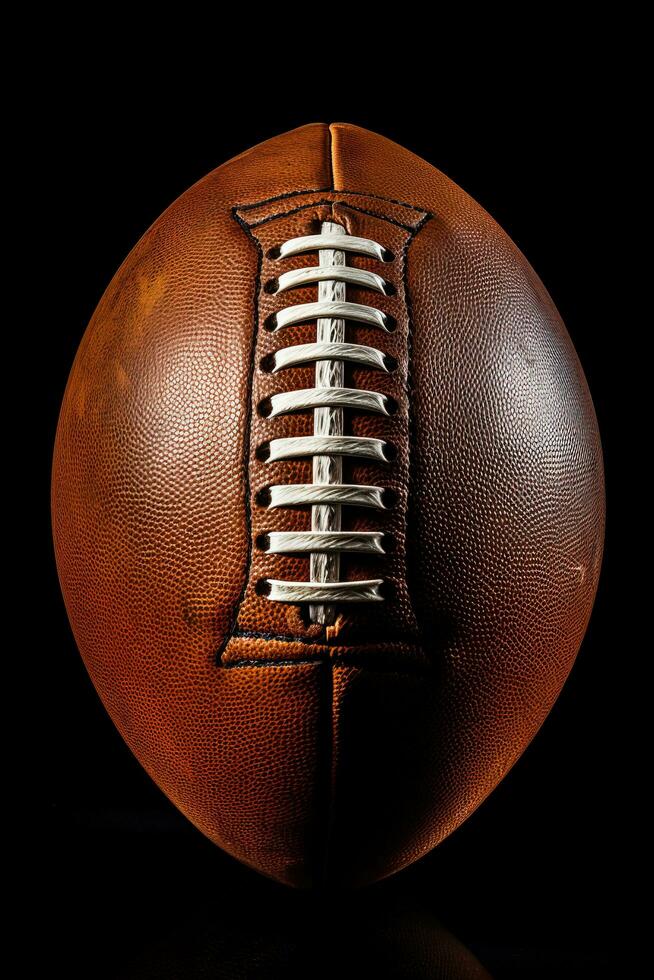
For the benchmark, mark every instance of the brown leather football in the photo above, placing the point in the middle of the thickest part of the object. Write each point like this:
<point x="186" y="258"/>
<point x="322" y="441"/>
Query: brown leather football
<point x="328" y="504"/>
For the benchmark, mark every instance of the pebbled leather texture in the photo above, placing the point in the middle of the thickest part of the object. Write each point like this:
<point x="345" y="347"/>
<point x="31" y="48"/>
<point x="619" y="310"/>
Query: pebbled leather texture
<point x="338" y="754"/>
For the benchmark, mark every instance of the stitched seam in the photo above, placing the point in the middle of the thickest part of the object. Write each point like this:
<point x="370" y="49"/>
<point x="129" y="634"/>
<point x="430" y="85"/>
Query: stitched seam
<point x="411" y="423"/>
<point x="323" y="190"/>
<point x="284" y="214"/>
<point x="282" y="197"/>
<point x="247" y="439"/>
<point x="330" y="203"/>
<point x="409" y="393"/>
<point x="375" y="214"/>
<point x="330" y="156"/>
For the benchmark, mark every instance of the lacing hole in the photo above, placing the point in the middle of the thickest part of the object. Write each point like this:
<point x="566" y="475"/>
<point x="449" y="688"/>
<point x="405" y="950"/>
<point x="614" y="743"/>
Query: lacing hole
<point x="263" y="542"/>
<point x="270" y="323"/>
<point x="267" y="364"/>
<point x="389" y="543"/>
<point x="263" y="452"/>
<point x="263" y="587"/>
<point x="390" y="323"/>
<point x="271" y="286"/>
<point x="389" y="497"/>
<point x="264" y="408"/>
<point x="262" y="497"/>
<point x="389" y="288"/>
<point x="390" y="362"/>
<point x="391" y="405"/>
<point x="390" y="452"/>
<point x="387" y="255"/>
<point x="273" y="253"/>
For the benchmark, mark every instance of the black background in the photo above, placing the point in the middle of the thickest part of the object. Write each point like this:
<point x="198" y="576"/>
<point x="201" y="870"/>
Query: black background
<point x="529" y="881"/>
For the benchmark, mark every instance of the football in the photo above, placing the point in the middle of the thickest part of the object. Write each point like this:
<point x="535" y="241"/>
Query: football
<point x="327" y="505"/>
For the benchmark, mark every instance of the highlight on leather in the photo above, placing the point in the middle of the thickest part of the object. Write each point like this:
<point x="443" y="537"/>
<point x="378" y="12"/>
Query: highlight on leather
<point x="327" y="505"/>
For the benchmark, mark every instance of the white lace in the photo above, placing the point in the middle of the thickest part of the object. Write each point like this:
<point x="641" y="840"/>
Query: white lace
<point x="327" y="494"/>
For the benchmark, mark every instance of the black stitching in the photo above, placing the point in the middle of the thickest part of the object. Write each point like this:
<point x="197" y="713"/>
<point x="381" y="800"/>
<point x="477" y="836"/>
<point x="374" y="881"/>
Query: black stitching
<point x="375" y="214"/>
<point x="323" y="190"/>
<point x="285" y="214"/>
<point x="281" y="197"/>
<point x="246" y="438"/>
<point x="411" y="432"/>
<point x="343" y="204"/>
